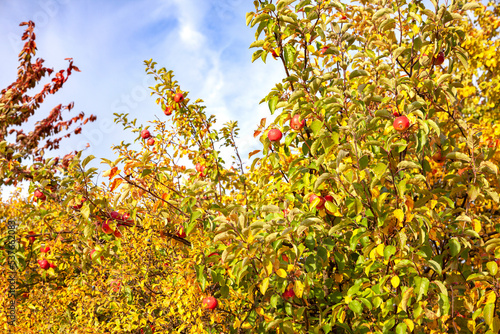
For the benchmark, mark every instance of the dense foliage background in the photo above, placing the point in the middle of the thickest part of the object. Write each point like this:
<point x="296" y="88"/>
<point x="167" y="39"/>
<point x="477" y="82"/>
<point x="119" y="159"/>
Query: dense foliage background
<point x="380" y="215"/>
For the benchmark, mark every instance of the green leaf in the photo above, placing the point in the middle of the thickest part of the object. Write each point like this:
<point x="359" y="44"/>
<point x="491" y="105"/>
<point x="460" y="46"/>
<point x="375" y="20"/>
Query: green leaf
<point x="401" y="328"/>
<point x="87" y="160"/>
<point x="471" y="6"/>
<point x="316" y="126"/>
<point x="272" y="103"/>
<point x="356" y="306"/>
<point x="454" y="246"/>
<point x="357" y="73"/>
<point x="488" y="313"/>
<point x="492" y="267"/>
<point x="435" y="266"/>
<point x="458" y="156"/>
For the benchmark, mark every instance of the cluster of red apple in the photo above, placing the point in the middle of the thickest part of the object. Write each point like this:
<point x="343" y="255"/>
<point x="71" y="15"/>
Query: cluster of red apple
<point x="200" y="168"/>
<point x="122" y="220"/>
<point x="295" y="123"/>
<point x="145" y="134"/>
<point x="322" y="201"/>
<point x="45" y="265"/>
<point x="168" y="110"/>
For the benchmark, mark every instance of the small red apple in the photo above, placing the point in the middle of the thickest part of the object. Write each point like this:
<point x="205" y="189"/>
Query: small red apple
<point x="288" y="294"/>
<point x="201" y="169"/>
<point x="115" y="215"/>
<point x="321" y="203"/>
<point x="115" y="285"/>
<point x="117" y="233"/>
<point x="401" y="123"/>
<point x="31" y="239"/>
<point x="274" y="135"/>
<point x="210" y="303"/>
<point x="79" y="206"/>
<point x="40" y="195"/>
<point x="145" y="134"/>
<point x="44" y="264"/>
<point x="52" y="265"/>
<point x="296" y="124"/>
<point x="274" y="54"/>
<point x="178" y="97"/>
<point x="105" y="228"/>
<point x="323" y="50"/>
<point x="168" y="110"/>
<point x="45" y="250"/>
<point x="438" y="157"/>
<point x="439" y="59"/>
<point x="181" y="233"/>
<point x="396" y="113"/>
<point x="151" y="141"/>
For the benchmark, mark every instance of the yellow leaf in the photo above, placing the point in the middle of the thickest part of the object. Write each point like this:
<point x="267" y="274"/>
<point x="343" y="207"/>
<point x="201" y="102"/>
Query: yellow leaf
<point x="348" y="299"/>
<point x="477" y="225"/>
<point x="115" y="184"/>
<point x="410" y="324"/>
<point x="380" y="249"/>
<point x="339" y="278"/>
<point x="399" y="214"/>
<point x="395" y="281"/>
<point x="406" y="296"/>
<point x="264" y="285"/>
<point x="298" y="288"/>
<point x="281" y="273"/>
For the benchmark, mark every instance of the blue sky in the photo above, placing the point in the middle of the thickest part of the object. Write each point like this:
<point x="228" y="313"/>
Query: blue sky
<point x="205" y="43"/>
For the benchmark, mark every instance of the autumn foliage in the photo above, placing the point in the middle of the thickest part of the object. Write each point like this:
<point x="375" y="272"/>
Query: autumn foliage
<point x="347" y="223"/>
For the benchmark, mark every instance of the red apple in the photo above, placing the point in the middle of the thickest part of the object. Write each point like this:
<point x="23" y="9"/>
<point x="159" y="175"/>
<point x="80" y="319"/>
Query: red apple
<point x="117" y="233"/>
<point x="401" y="123"/>
<point x="288" y="294"/>
<point x="151" y="141"/>
<point x="323" y="50"/>
<point x="396" y="113"/>
<point x="79" y="206"/>
<point x="105" y="228"/>
<point x="210" y="303"/>
<point x="44" y="264"/>
<point x="32" y="239"/>
<point x="115" y="285"/>
<point x="274" y="54"/>
<point x="439" y="59"/>
<point x="178" y="97"/>
<point x="274" y="135"/>
<point x="115" y="215"/>
<point x="296" y="124"/>
<point x="45" y="250"/>
<point x="438" y="157"/>
<point x="167" y="110"/>
<point x="145" y="134"/>
<point x="321" y="203"/>
<point x="40" y="195"/>
<point x="201" y="169"/>
<point x="181" y="233"/>
<point x="52" y="265"/>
